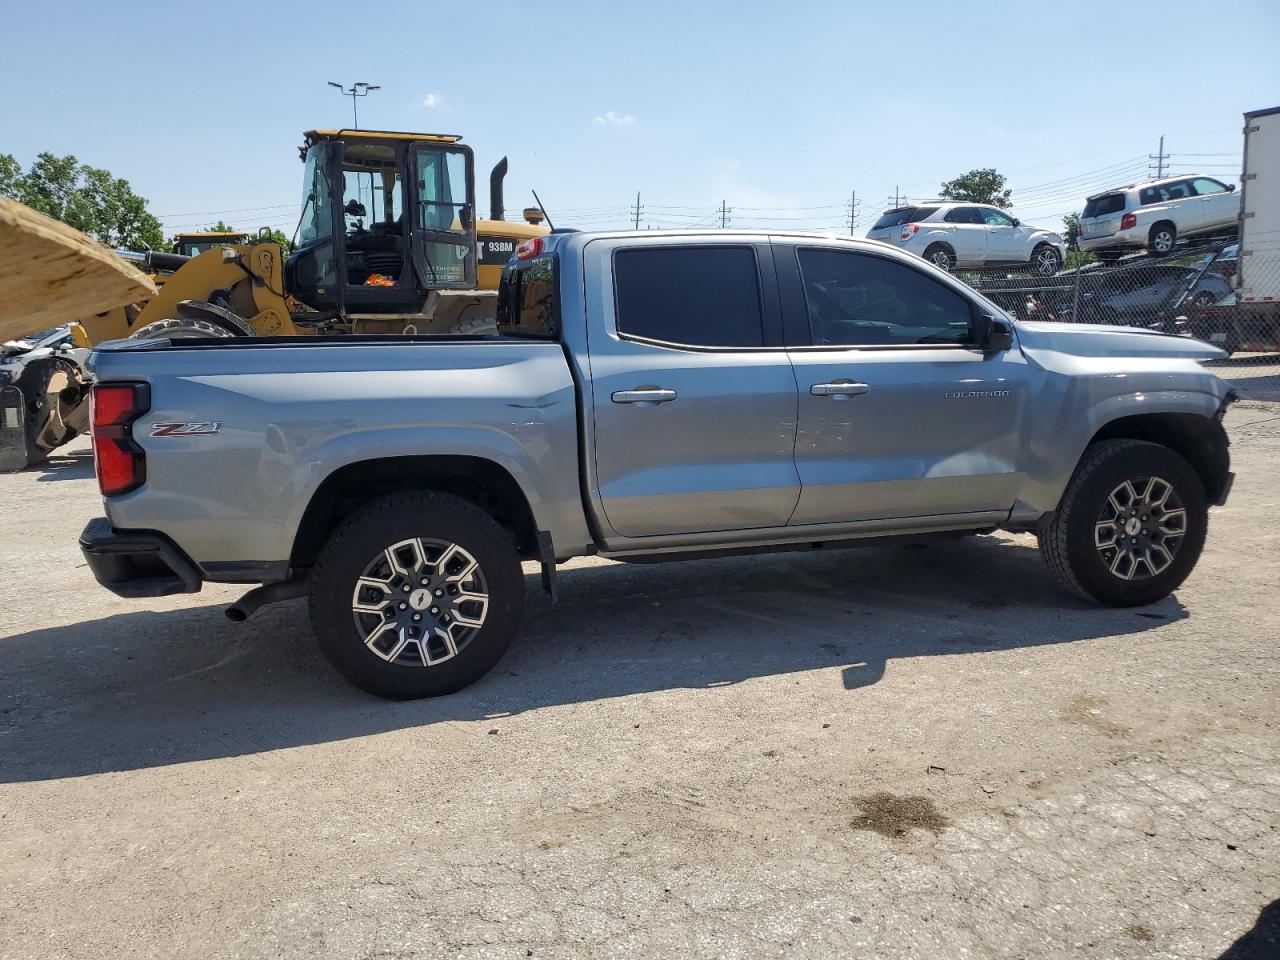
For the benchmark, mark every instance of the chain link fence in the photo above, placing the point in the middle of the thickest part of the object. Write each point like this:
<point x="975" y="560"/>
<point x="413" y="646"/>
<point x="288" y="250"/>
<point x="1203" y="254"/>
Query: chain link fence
<point x="1203" y="291"/>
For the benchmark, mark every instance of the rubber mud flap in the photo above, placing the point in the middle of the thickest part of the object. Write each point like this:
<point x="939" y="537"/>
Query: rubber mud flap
<point x="13" y="436"/>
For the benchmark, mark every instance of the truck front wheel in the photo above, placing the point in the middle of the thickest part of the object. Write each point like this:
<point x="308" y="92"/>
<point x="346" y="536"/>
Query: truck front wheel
<point x="416" y="595"/>
<point x="1130" y="526"/>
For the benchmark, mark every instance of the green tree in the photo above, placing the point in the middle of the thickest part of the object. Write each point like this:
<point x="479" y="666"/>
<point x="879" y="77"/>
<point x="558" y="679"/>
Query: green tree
<point x="87" y="198"/>
<point x="978" y="186"/>
<point x="1071" y="230"/>
<point x="221" y="227"/>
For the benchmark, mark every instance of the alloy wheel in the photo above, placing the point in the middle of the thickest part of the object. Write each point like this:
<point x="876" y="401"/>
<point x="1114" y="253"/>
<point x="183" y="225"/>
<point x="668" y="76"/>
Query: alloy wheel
<point x="420" y="602"/>
<point x="1140" y="527"/>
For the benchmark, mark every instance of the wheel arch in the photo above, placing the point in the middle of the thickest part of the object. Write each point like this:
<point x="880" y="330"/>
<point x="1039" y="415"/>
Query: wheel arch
<point x="485" y="483"/>
<point x="1199" y="440"/>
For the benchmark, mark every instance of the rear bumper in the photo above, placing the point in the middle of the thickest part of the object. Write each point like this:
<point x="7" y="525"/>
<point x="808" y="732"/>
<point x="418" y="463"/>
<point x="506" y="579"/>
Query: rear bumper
<point x="137" y="563"/>
<point x="1135" y="237"/>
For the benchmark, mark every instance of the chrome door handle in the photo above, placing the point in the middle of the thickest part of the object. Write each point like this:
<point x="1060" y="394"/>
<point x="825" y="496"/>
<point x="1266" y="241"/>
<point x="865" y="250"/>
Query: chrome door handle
<point x="642" y="395"/>
<point x="839" y="389"/>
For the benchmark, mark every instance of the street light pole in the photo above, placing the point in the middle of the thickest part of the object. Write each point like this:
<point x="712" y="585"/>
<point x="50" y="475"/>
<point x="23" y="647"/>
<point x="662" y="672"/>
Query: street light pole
<point x="356" y="90"/>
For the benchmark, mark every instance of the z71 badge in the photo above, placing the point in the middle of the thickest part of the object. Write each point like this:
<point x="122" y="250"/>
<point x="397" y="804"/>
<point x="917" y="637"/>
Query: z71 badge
<point x="199" y="428"/>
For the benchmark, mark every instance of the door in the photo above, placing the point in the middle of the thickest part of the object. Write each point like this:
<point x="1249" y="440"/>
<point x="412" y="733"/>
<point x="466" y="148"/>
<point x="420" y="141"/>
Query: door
<point x="968" y="235"/>
<point x="444" y="226"/>
<point x="1005" y="241"/>
<point x="692" y="396"/>
<point x="1219" y="207"/>
<point x="900" y="414"/>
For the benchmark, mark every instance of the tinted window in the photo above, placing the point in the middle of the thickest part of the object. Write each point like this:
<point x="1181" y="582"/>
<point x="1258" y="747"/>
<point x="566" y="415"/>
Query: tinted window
<point x="896" y="218"/>
<point x="856" y="299"/>
<point x="963" y="215"/>
<point x="1165" y="192"/>
<point x="527" y="303"/>
<point x="1205" y="187"/>
<point x="700" y="296"/>
<point x="1105" y="205"/>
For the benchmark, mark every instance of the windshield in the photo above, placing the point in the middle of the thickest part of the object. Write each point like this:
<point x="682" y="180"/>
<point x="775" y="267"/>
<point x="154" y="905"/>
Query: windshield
<point x="316" y="220"/>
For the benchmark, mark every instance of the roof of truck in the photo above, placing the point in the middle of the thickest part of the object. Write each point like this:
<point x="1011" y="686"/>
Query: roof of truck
<point x="345" y="134"/>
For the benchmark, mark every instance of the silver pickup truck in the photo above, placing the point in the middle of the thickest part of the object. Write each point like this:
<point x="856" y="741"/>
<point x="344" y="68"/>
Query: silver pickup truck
<point x="649" y="396"/>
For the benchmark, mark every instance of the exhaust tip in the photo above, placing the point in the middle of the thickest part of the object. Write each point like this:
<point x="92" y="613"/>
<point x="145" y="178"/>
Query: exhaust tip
<point x="236" y="615"/>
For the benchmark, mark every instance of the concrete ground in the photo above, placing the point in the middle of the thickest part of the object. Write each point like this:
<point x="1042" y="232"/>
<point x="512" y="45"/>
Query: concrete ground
<point x="889" y="752"/>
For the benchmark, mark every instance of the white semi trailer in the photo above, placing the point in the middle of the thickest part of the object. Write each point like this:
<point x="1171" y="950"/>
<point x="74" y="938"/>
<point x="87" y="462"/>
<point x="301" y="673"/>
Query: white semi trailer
<point x="1258" y="273"/>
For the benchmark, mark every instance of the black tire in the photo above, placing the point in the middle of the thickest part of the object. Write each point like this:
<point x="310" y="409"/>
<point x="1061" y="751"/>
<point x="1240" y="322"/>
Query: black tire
<point x="1162" y="238"/>
<point x="182" y="328"/>
<point x="941" y="257"/>
<point x="360" y="541"/>
<point x="1068" y="539"/>
<point x="1045" y="261"/>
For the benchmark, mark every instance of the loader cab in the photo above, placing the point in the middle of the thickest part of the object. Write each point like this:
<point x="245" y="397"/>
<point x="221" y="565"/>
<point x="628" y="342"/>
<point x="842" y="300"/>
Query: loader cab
<point x="386" y="219"/>
<point x="196" y="243"/>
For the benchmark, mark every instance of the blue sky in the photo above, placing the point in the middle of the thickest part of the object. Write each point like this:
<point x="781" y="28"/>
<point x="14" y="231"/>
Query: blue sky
<point x="778" y="109"/>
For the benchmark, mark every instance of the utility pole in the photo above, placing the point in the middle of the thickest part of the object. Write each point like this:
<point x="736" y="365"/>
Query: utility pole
<point x="897" y="197"/>
<point x="724" y="215"/>
<point x="854" y="210"/>
<point x="357" y="90"/>
<point x="1159" y="159"/>
<point x="637" y="211"/>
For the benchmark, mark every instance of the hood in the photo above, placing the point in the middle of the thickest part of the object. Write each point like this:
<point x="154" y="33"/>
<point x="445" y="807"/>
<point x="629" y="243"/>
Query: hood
<point x="1100" y="340"/>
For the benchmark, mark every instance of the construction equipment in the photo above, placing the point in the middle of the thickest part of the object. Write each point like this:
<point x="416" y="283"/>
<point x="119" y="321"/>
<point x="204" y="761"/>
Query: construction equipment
<point x="387" y="242"/>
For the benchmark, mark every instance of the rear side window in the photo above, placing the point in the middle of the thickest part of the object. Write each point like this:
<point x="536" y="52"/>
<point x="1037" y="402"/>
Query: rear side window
<point x="692" y="296"/>
<point x="1105" y="205"/>
<point x="896" y="218"/>
<point x="858" y="300"/>
<point x="1164" y="193"/>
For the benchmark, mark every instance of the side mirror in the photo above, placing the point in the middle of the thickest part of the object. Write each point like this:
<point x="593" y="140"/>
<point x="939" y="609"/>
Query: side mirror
<point x="1017" y="222"/>
<point x="1231" y="188"/>
<point x="466" y="216"/>
<point x="993" y="334"/>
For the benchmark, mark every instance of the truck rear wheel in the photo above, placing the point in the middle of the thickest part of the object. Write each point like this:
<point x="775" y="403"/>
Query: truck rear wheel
<point x="1130" y="526"/>
<point x="416" y="595"/>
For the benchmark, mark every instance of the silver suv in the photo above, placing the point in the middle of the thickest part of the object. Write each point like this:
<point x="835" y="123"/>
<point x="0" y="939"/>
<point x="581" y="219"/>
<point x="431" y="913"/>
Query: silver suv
<point x="1156" y="214"/>
<point x="952" y="235"/>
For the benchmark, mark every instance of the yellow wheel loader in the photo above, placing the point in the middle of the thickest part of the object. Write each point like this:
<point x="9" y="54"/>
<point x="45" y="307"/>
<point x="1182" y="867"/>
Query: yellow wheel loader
<point x="388" y="242"/>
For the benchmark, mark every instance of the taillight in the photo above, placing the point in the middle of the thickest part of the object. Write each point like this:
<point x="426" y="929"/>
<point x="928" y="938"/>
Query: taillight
<point x="120" y="464"/>
<point x="529" y="248"/>
<point x="1128" y="221"/>
<point x="909" y="230"/>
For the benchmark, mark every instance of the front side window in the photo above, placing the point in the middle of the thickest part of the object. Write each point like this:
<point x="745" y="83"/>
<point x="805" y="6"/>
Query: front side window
<point x="994" y="218"/>
<point x="691" y="296"/>
<point x="1205" y="187"/>
<point x="859" y="300"/>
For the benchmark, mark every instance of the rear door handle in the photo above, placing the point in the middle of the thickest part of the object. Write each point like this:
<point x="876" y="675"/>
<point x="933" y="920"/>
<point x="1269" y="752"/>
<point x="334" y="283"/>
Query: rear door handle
<point x="644" y="395"/>
<point x="839" y="389"/>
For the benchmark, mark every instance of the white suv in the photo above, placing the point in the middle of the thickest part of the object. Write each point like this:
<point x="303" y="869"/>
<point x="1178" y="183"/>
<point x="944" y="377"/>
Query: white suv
<point x="1157" y="214"/>
<point x="970" y="235"/>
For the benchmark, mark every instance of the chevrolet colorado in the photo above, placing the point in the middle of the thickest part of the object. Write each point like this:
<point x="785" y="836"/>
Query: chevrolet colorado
<point x="649" y="396"/>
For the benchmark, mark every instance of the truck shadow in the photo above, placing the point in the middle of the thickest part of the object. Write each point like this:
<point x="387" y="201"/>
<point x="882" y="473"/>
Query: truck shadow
<point x="147" y="689"/>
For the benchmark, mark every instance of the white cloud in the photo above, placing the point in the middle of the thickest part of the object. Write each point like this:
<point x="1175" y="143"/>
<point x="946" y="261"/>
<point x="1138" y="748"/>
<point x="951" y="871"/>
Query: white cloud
<point x="613" y="119"/>
<point x="433" y="100"/>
